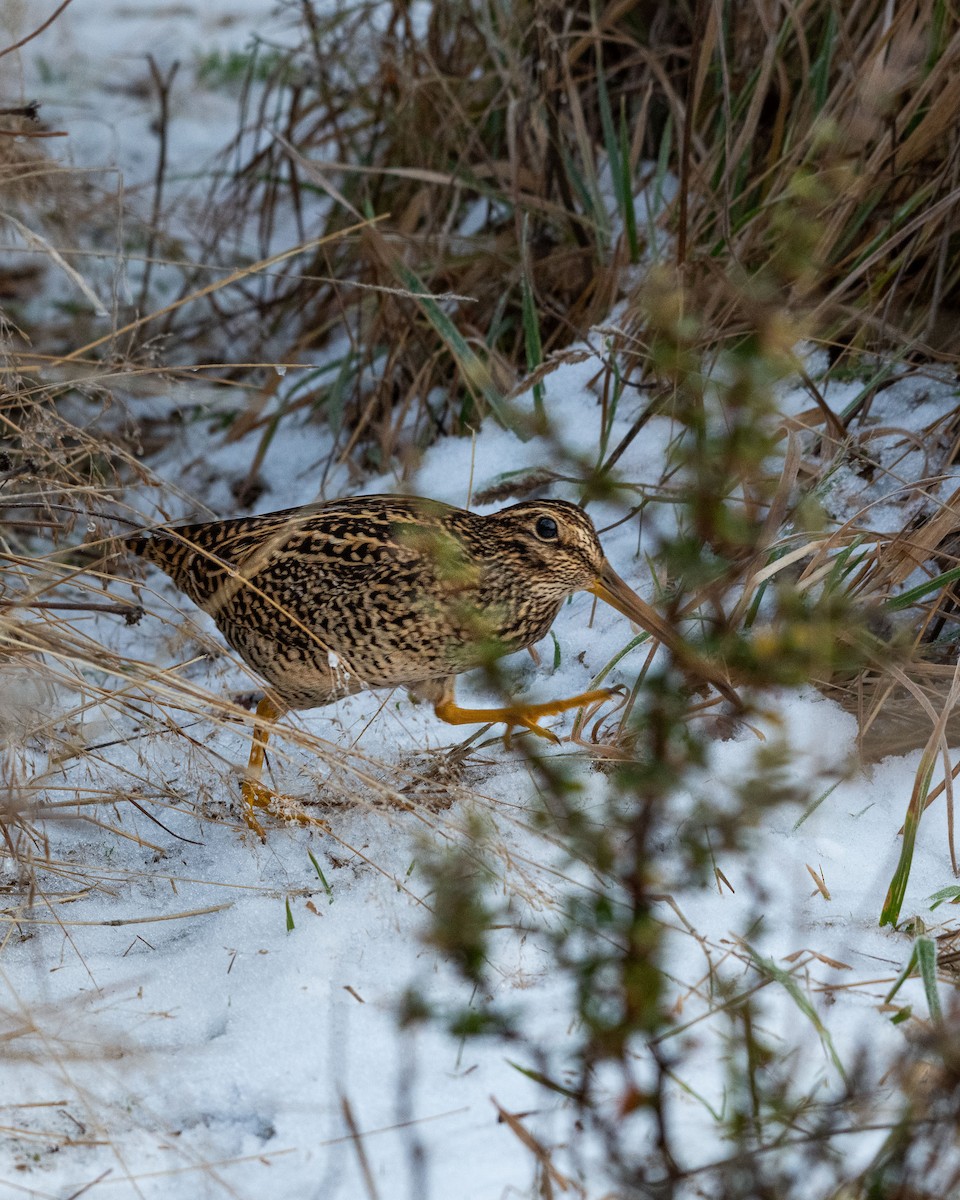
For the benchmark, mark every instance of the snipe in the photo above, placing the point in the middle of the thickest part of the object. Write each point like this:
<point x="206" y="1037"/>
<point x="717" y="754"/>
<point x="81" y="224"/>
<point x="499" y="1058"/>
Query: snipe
<point x="388" y="591"/>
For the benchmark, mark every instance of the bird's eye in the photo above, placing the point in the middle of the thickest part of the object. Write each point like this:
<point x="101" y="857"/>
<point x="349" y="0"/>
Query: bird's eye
<point x="547" y="529"/>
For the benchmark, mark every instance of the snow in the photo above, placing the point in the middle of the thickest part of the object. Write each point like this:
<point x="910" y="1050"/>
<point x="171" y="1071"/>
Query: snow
<point x="213" y="1018"/>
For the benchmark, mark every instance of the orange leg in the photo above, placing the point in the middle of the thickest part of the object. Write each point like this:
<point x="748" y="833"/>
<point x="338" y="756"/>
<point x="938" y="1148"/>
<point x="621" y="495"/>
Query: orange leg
<point x="255" y="794"/>
<point x="527" y="715"/>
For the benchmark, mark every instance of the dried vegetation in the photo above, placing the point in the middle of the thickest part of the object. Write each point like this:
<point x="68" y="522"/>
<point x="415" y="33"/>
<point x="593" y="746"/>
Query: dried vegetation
<point x="421" y="216"/>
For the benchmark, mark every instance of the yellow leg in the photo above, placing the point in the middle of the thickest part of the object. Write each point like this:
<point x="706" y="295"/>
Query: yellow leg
<point x="255" y="794"/>
<point x="527" y="715"/>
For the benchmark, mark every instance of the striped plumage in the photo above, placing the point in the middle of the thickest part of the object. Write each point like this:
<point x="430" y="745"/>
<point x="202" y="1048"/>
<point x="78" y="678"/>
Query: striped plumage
<point x="378" y="591"/>
<point x="386" y="591"/>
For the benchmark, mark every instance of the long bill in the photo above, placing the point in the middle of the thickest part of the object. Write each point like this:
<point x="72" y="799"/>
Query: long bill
<point x="613" y="590"/>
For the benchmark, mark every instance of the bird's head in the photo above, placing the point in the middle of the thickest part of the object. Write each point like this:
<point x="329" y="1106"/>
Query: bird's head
<point x="555" y="546"/>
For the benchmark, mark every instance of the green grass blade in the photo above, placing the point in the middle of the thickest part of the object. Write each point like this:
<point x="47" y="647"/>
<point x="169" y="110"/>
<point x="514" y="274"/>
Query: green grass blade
<point x="611" y="142"/>
<point x="608" y="667"/>
<point x="476" y="373"/>
<point x="923" y="961"/>
<point x="820" y="68"/>
<point x="903" y="976"/>
<point x="626" y="187"/>
<point x="531" y="324"/>
<point x="951" y="894"/>
<point x="787" y="981"/>
<point x="659" y="183"/>
<point x="543" y="1080"/>
<point x="320" y="875"/>
<point x="890" y="914"/>
<point x="905" y="599"/>
<point x="812" y="808"/>
<point x="926" y="951"/>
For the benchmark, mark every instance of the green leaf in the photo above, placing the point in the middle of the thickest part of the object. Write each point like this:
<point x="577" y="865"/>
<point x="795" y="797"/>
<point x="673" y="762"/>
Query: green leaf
<point x="951" y="893"/>
<point x="320" y="875"/>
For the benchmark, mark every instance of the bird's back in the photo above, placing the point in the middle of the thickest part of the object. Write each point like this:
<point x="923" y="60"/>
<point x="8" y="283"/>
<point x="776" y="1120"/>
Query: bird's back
<point x="322" y="600"/>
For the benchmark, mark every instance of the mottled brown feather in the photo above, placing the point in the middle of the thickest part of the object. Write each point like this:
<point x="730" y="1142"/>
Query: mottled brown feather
<point x="378" y="591"/>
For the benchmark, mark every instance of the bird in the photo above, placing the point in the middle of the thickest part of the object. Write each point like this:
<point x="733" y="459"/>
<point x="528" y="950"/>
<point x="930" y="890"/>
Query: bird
<point x="385" y="591"/>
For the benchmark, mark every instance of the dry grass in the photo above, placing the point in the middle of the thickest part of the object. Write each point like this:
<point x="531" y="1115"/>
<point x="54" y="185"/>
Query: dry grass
<point x="810" y="141"/>
<point x="799" y="164"/>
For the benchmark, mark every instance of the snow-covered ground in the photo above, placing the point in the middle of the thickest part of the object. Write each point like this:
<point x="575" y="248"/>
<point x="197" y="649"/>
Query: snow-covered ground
<point x="213" y="1017"/>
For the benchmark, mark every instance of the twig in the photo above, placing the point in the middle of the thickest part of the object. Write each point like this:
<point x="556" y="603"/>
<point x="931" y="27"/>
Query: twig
<point x="690" y="108"/>
<point x="357" y="1138"/>
<point x="116" y="922"/>
<point x="210" y="288"/>
<point x="87" y="1186"/>
<point x="156" y="820"/>
<point x="31" y="110"/>
<point x="163" y="83"/>
<point x="36" y="33"/>
<point x="34" y="133"/>
<point x="132" y="612"/>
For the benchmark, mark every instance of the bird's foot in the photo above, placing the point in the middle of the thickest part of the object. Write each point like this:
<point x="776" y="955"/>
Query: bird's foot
<point x="527" y="716"/>
<point x="255" y="795"/>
